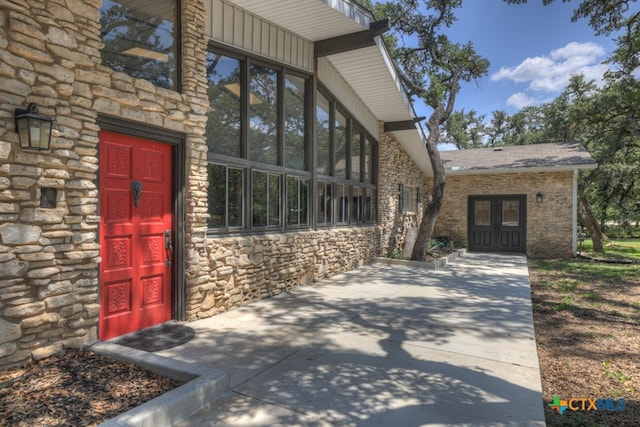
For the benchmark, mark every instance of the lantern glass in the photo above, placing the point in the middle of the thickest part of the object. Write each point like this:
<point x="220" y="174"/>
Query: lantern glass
<point x="34" y="130"/>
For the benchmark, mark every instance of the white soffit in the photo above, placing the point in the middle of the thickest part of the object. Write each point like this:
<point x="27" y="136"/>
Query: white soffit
<point x="369" y="71"/>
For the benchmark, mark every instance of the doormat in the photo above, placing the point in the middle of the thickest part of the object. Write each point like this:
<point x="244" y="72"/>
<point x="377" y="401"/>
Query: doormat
<point x="156" y="338"/>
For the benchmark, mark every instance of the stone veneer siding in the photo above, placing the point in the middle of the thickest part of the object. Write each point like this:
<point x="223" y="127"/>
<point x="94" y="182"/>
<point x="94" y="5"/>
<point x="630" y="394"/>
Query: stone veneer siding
<point x="243" y="269"/>
<point x="395" y="168"/>
<point x="549" y="224"/>
<point x="50" y="54"/>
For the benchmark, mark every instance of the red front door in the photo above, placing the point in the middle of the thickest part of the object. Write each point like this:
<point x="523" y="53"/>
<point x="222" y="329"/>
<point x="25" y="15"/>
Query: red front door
<point x="136" y="233"/>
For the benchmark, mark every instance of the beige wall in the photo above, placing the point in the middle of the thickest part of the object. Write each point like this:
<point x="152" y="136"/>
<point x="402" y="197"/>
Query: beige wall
<point x="395" y="168"/>
<point x="549" y="224"/>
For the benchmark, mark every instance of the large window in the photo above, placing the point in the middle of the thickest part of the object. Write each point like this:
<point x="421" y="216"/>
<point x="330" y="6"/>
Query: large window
<point x="257" y="125"/>
<point x="141" y="39"/>
<point x="345" y="161"/>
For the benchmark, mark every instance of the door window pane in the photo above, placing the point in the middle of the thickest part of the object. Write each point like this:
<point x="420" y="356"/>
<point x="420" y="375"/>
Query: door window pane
<point x="341" y="145"/>
<point x="322" y="136"/>
<point x="223" y="130"/>
<point x="294" y="123"/>
<point x="511" y="213"/>
<point x="263" y="114"/>
<point x="482" y="212"/>
<point x="140" y="39"/>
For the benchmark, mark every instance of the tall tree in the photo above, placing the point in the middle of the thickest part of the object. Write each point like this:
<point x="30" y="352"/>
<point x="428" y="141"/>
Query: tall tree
<point x="431" y="68"/>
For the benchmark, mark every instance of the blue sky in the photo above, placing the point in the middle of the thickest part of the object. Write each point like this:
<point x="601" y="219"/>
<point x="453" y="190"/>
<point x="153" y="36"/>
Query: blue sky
<point x="533" y="50"/>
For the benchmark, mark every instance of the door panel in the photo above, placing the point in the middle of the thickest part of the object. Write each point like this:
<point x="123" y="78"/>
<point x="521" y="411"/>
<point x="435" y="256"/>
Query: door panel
<point x="497" y="223"/>
<point x="136" y="199"/>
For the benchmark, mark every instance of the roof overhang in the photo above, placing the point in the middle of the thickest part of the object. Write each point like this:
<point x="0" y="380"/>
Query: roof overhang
<point x="369" y="70"/>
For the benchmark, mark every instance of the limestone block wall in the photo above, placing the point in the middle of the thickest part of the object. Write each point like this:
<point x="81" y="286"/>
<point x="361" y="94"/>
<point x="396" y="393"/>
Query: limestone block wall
<point x="395" y="168"/>
<point x="50" y="54"/>
<point x="243" y="269"/>
<point x="549" y="224"/>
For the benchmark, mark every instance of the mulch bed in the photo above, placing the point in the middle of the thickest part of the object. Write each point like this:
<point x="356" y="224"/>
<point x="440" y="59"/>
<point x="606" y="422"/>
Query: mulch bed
<point x="79" y="388"/>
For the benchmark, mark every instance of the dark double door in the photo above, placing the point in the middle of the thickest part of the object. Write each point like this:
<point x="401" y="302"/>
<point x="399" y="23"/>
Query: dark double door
<point x="497" y="223"/>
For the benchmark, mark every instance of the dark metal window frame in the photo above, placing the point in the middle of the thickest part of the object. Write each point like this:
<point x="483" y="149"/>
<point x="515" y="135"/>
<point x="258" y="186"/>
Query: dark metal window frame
<point x="332" y="179"/>
<point x="245" y="162"/>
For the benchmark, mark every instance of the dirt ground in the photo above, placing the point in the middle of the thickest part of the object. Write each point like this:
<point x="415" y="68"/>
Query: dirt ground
<point x="588" y="337"/>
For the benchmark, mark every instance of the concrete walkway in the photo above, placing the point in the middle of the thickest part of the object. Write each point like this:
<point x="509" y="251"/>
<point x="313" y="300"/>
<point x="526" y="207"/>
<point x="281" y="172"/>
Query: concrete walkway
<point x="380" y="346"/>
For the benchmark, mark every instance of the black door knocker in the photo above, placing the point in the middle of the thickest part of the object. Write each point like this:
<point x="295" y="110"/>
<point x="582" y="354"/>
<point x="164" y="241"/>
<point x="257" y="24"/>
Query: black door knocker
<point x="136" y="189"/>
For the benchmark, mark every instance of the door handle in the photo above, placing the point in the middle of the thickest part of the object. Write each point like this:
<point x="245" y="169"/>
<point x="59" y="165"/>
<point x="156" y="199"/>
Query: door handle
<point x="168" y="246"/>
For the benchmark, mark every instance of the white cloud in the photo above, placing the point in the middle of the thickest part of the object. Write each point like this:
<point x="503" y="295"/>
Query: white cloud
<point x="551" y="73"/>
<point x="521" y="100"/>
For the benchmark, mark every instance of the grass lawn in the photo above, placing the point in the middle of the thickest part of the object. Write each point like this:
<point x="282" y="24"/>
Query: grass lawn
<point x="616" y="248"/>
<point x="587" y="320"/>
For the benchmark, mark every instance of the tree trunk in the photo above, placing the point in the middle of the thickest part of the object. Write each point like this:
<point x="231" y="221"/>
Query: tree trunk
<point x="589" y="221"/>
<point x="432" y="207"/>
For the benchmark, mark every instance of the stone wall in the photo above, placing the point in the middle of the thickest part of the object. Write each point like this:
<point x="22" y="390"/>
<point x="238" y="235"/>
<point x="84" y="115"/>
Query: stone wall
<point x="395" y="168"/>
<point x="549" y="224"/>
<point x="243" y="269"/>
<point x="50" y="54"/>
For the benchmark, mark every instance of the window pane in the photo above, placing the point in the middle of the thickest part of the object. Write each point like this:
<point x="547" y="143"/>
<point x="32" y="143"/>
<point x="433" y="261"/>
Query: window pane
<point x="322" y="136"/>
<point x="263" y="114"/>
<point x="259" y="205"/>
<point x="325" y="203"/>
<point x="368" y="162"/>
<point x="340" y="141"/>
<point x="342" y="199"/>
<point x="140" y="39"/>
<point x="217" y="195"/>
<point x="225" y="196"/>
<point x="511" y="213"/>
<point x="223" y="121"/>
<point x="356" y="205"/>
<point x="274" y="200"/>
<point x="409" y="199"/>
<point x="369" y="205"/>
<point x="236" y="204"/>
<point x="356" y="144"/>
<point x="297" y="200"/>
<point x="294" y="122"/>
<point x="304" y="201"/>
<point x="482" y="212"/>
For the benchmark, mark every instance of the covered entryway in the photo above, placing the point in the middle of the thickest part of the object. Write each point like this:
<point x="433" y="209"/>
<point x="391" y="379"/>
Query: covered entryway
<point x="136" y="233"/>
<point x="497" y="223"/>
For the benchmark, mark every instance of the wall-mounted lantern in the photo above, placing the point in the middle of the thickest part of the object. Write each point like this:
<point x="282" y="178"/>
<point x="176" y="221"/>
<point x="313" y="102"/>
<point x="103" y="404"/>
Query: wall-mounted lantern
<point x="33" y="129"/>
<point x="539" y="197"/>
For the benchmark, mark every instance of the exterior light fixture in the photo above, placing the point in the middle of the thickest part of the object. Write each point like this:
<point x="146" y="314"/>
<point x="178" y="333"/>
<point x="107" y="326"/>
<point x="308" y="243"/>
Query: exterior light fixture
<point x="33" y="129"/>
<point x="539" y="197"/>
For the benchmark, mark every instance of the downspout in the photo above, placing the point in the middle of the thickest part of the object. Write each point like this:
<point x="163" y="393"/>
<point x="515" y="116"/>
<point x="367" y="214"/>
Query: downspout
<point x="574" y="227"/>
